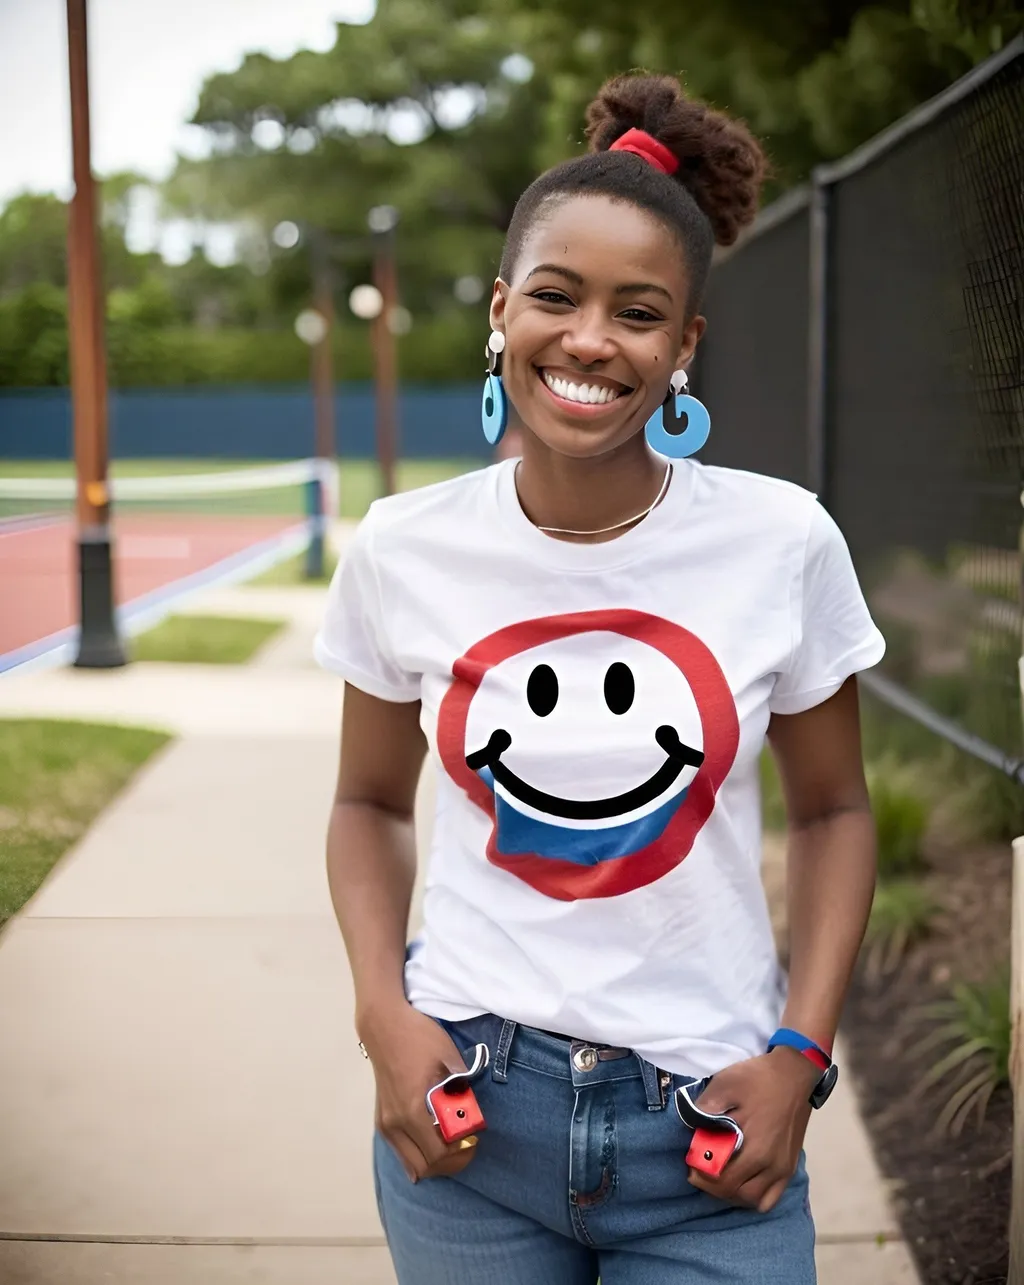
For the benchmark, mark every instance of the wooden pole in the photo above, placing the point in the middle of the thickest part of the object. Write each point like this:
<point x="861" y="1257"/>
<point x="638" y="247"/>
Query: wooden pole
<point x="99" y="645"/>
<point x="386" y="377"/>
<point x="323" y="375"/>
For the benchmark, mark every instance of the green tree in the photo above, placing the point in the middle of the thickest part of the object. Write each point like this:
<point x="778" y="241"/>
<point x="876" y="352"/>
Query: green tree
<point x="813" y="78"/>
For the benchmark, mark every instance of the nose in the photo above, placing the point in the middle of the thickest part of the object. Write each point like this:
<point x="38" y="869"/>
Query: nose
<point x="588" y="338"/>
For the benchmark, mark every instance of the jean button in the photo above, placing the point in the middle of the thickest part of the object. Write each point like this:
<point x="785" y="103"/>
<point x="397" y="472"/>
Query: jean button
<point x="585" y="1059"/>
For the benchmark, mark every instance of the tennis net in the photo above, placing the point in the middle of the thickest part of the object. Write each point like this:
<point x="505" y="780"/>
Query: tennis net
<point x="172" y="534"/>
<point x="274" y="491"/>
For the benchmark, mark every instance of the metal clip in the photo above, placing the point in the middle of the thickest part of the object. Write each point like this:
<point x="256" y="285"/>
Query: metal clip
<point x="694" y="1118"/>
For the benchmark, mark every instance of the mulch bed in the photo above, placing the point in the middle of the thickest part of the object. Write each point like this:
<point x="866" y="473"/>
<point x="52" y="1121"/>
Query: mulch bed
<point x="952" y="1195"/>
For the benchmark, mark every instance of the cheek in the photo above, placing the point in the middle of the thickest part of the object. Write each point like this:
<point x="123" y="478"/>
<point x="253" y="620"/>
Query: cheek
<point x="527" y="338"/>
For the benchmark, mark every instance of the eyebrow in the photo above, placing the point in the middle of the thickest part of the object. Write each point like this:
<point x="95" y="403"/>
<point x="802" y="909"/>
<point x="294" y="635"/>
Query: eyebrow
<point x="633" y="287"/>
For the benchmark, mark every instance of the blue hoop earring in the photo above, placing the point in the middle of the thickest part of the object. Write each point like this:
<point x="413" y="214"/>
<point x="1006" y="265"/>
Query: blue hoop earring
<point x="682" y="425"/>
<point x="494" y="405"/>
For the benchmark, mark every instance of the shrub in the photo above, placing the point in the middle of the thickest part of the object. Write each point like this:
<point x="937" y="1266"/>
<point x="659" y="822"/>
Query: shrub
<point x="901" y="914"/>
<point x="975" y="1035"/>
<point x="901" y="819"/>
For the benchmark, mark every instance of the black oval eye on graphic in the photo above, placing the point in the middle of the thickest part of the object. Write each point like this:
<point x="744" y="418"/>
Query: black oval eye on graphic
<point x="542" y="690"/>
<point x="619" y="687"/>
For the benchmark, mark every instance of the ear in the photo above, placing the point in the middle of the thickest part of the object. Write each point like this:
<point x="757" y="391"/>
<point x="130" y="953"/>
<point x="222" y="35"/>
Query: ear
<point x="498" y="301"/>
<point x="695" y="328"/>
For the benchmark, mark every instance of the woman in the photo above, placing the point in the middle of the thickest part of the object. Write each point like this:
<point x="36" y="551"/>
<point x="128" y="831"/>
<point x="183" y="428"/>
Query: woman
<point x="592" y="642"/>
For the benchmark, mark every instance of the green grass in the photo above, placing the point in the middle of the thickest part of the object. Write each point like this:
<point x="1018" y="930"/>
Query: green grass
<point x="293" y="572"/>
<point x="55" y="777"/>
<point x="204" y="640"/>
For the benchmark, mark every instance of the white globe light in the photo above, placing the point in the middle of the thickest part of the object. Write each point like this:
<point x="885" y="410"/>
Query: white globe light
<point x="469" y="290"/>
<point x="366" y="302"/>
<point x="268" y="134"/>
<point x="311" y="326"/>
<point x="399" y="320"/>
<point x="382" y="218"/>
<point x="286" y="235"/>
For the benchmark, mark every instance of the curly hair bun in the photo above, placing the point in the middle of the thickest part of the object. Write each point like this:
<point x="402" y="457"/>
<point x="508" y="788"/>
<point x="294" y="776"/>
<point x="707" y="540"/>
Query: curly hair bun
<point x="721" y="164"/>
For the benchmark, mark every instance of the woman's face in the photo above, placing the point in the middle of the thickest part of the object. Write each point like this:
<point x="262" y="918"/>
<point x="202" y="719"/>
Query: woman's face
<point x="595" y="324"/>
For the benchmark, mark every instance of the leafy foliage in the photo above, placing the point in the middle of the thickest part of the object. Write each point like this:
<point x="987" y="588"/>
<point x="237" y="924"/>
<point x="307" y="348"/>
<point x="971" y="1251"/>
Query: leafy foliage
<point x="446" y="110"/>
<point x="974" y="1033"/>
<point x="901" y="915"/>
<point x="901" y="819"/>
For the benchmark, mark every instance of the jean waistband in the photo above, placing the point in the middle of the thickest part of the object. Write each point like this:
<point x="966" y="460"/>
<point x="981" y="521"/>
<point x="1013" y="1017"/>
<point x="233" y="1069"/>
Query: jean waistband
<point x="581" y="1062"/>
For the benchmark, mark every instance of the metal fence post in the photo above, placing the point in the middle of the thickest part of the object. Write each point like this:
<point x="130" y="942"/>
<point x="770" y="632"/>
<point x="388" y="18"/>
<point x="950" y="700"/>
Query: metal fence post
<point x="1015" y="1275"/>
<point x="1016" y="1272"/>
<point x="817" y="339"/>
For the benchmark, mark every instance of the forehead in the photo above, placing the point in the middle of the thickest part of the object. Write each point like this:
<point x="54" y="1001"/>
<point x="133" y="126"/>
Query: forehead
<point x="599" y="237"/>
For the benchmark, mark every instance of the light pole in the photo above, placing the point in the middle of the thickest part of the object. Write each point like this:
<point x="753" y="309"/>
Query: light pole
<point x="314" y="326"/>
<point x="99" y="645"/>
<point x="382" y="221"/>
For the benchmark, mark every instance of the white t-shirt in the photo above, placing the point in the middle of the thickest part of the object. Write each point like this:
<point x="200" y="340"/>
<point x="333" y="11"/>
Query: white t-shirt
<point x="596" y="713"/>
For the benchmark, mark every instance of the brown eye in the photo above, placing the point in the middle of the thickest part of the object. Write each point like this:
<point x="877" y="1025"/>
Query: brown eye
<point x="619" y="688"/>
<point x="542" y="690"/>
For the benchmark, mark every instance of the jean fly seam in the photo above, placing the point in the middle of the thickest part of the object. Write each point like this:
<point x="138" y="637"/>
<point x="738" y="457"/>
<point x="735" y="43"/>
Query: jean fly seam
<point x="501" y="1057"/>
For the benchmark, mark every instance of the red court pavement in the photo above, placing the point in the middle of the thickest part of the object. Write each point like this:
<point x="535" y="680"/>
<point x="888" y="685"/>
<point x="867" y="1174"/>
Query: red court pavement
<point x="38" y="571"/>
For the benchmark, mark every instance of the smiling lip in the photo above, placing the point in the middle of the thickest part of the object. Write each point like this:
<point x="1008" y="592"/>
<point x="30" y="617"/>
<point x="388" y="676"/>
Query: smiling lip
<point x="587" y="408"/>
<point x="678" y="757"/>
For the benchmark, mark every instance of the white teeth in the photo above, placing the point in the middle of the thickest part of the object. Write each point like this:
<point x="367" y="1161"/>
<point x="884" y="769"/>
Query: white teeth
<point x="588" y="394"/>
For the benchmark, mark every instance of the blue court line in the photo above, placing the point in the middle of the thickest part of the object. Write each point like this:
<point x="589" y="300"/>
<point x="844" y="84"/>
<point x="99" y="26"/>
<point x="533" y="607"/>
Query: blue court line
<point x="144" y="612"/>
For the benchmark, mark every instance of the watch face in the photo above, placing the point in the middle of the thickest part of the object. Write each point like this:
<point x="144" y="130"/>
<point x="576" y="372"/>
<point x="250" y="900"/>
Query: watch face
<point x="825" y="1086"/>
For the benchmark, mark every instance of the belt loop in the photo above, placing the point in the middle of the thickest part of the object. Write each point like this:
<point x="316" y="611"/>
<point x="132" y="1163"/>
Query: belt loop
<point x="499" y="1067"/>
<point x="655" y="1084"/>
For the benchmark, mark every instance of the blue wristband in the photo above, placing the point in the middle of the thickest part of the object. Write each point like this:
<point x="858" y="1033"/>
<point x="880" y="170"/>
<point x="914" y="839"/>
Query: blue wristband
<point x="794" y="1040"/>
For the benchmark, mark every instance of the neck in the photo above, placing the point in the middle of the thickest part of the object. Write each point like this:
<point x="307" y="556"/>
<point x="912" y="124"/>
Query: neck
<point x="587" y="494"/>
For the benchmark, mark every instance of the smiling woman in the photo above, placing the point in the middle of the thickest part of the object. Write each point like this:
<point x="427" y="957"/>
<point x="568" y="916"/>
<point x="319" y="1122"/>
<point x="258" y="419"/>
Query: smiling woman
<point x="593" y="641"/>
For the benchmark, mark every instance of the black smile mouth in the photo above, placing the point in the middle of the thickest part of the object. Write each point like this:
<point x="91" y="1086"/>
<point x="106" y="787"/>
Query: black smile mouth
<point x="679" y="756"/>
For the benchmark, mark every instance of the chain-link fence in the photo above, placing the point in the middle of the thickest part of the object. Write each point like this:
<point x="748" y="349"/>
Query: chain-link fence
<point x="867" y="341"/>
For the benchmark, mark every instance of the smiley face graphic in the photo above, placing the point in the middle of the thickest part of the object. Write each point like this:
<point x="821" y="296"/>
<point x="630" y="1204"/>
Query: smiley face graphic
<point x="596" y="743"/>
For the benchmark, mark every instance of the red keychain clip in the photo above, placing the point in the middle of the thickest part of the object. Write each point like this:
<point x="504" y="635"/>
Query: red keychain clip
<point x="716" y="1138"/>
<point x="452" y="1103"/>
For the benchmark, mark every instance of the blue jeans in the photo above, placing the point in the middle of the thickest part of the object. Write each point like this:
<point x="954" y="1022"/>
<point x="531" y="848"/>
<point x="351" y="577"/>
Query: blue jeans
<point x="580" y="1174"/>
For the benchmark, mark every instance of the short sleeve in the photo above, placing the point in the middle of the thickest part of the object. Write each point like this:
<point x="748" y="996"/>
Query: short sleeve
<point x="834" y="635"/>
<point x="352" y="640"/>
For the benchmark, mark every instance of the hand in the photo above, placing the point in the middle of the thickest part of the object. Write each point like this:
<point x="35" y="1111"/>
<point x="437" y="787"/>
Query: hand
<point x="410" y="1053"/>
<point x="768" y="1097"/>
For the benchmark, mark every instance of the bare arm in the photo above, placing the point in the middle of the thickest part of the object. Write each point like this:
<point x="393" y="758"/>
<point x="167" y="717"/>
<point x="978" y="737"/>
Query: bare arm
<point x="831" y="856"/>
<point x="371" y="852"/>
<point x="830" y="880"/>
<point x="371" y="868"/>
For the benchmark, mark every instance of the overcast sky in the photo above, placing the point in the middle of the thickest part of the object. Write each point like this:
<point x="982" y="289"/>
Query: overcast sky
<point x="148" y="59"/>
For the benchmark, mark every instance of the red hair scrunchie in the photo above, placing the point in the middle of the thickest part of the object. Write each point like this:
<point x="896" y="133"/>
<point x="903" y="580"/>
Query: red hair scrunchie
<point x="645" y="145"/>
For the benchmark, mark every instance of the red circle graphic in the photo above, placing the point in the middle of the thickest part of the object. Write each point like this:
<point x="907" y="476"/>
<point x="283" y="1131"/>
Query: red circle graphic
<point x="566" y="880"/>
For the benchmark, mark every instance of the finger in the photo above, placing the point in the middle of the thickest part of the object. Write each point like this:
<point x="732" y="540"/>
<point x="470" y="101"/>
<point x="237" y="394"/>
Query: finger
<point x="451" y="1164"/>
<point x="414" y="1162"/>
<point x="753" y="1192"/>
<point x="457" y="1155"/>
<point x="772" y="1196"/>
<point x="736" y="1185"/>
<point x="717" y="1188"/>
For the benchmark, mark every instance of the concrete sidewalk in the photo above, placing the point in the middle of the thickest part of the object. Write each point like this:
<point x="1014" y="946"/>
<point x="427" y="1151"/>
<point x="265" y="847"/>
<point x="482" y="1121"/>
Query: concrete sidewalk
<point x="181" y="1098"/>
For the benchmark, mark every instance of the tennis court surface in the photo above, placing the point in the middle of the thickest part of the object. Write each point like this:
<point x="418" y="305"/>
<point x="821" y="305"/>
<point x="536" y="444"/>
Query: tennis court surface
<point x="172" y="534"/>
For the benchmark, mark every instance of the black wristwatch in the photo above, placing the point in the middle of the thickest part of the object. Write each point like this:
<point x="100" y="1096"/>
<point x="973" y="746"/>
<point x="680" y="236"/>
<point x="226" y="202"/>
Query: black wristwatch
<point x="814" y="1053"/>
